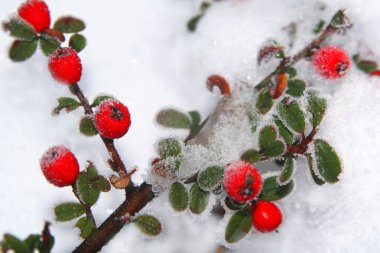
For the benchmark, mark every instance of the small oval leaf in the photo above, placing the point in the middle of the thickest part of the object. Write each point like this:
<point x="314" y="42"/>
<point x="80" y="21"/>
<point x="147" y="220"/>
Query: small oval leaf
<point x="178" y="197"/>
<point x="67" y="103"/>
<point x="169" y="147"/>
<point x="87" y="192"/>
<point x="210" y="178"/>
<point x="328" y="162"/>
<point x="296" y="87"/>
<point x="69" y="24"/>
<point x="48" y="44"/>
<point x="272" y="191"/>
<point x="287" y="173"/>
<point x="86" y="226"/>
<point x="285" y="133"/>
<point x="20" y="29"/>
<point x="148" y="224"/>
<point x="22" y="50"/>
<point x="14" y="243"/>
<point x="250" y="156"/>
<point x="274" y="149"/>
<point x="77" y="42"/>
<point x="198" y="199"/>
<point x="264" y="102"/>
<point x="292" y="114"/>
<point x="239" y="225"/>
<point x="173" y="119"/>
<point x="317" y="107"/>
<point x="268" y="135"/>
<point x="315" y="177"/>
<point x="87" y="127"/>
<point x="99" y="99"/>
<point x="68" y="211"/>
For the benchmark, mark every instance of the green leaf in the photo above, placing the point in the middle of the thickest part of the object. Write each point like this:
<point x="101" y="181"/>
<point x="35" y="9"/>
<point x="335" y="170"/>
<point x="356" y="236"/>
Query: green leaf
<point x="317" y="107"/>
<point x="173" y="119"/>
<point x="198" y="199"/>
<point x="67" y="103"/>
<point x="20" y="29"/>
<point x="315" y="177"/>
<point x="77" y="42"/>
<point x="287" y="173"/>
<point x="101" y="183"/>
<point x="32" y="242"/>
<point x="169" y="147"/>
<point x="69" y="24"/>
<point x="86" y="226"/>
<point x="195" y="120"/>
<point x="48" y="44"/>
<point x="99" y="99"/>
<point x="285" y="133"/>
<point x="264" y="102"/>
<point x="292" y="114"/>
<point x="22" y="50"/>
<point x="251" y="156"/>
<point x="148" y="224"/>
<point x="328" y="162"/>
<point x="272" y="191"/>
<point x="292" y="72"/>
<point x="193" y="22"/>
<point x="210" y="178"/>
<point x="87" y="192"/>
<point x="16" y="244"/>
<point x="296" y="87"/>
<point x="239" y="225"/>
<point x="178" y="197"/>
<point x="87" y="127"/>
<point x="68" y="211"/>
<point x="340" y="20"/>
<point x="319" y="26"/>
<point x="274" y="149"/>
<point x="268" y="135"/>
<point x="367" y="66"/>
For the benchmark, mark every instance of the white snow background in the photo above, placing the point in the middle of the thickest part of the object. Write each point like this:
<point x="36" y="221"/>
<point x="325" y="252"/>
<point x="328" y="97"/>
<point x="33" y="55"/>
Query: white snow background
<point x="141" y="52"/>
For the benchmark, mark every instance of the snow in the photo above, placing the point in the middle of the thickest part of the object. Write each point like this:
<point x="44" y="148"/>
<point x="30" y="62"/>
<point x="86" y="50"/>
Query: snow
<point x="141" y="52"/>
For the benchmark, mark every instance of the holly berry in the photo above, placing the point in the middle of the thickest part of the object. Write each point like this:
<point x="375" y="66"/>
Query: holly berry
<point x="242" y="181"/>
<point x="65" y="66"/>
<point x="112" y="119"/>
<point x="266" y="216"/>
<point x="331" y="62"/>
<point x="36" y="13"/>
<point x="59" y="166"/>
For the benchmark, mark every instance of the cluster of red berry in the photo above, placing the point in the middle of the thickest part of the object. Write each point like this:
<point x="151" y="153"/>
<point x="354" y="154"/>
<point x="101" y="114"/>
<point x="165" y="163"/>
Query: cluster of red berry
<point x="243" y="184"/>
<point x="111" y="120"/>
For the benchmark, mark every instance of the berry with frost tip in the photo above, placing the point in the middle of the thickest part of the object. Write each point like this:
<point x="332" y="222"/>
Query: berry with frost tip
<point x="242" y="181"/>
<point x="266" y="216"/>
<point x="331" y="62"/>
<point x="59" y="166"/>
<point x="65" y="66"/>
<point x="112" y="119"/>
<point x="36" y="13"/>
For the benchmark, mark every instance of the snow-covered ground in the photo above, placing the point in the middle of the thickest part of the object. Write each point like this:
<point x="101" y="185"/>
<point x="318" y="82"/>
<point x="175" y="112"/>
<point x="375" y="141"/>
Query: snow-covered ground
<point x="141" y="52"/>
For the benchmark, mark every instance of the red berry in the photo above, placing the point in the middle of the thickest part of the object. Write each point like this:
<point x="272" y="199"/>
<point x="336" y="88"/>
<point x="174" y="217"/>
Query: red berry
<point x="59" y="166"/>
<point x="331" y="62"/>
<point x="112" y="119"/>
<point x="266" y="216"/>
<point x="36" y="13"/>
<point x="65" y="66"/>
<point x="375" y="73"/>
<point x="242" y="181"/>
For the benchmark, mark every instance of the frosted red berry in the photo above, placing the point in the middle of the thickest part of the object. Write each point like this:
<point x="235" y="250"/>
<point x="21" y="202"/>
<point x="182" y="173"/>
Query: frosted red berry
<point x="375" y="73"/>
<point x="36" y="13"/>
<point x="65" y="66"/>
<point x="331" y="62"/>
<point x="112" y="119"/>
<point x="266" y="216"/>
<point x="242" y="181"/>
<point x="59" y="166"/>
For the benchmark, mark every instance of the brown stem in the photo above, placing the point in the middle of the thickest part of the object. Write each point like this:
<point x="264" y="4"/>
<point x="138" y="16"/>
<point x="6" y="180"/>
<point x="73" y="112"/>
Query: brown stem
<point x="138" y="198"/>
<point x="288" y="62"/>
<point x="301" y="147"/>
<point x="75" y="89"/>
